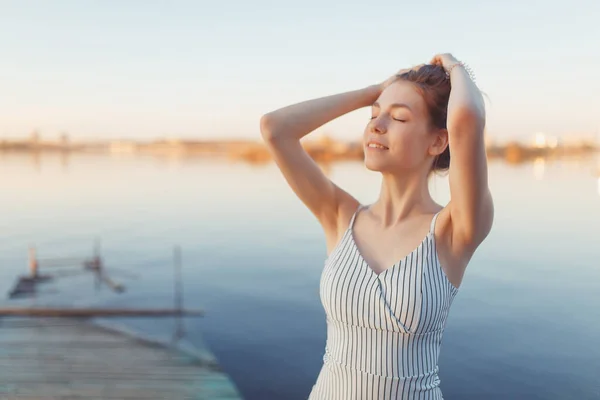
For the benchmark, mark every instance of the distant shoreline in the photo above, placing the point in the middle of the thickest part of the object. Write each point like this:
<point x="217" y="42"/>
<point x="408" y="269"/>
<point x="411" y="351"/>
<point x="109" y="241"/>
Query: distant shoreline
<point x="321" y="150"/>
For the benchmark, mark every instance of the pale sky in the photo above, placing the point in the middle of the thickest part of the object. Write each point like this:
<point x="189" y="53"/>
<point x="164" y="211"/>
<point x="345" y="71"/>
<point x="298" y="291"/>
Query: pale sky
<point x="209" y="69"/>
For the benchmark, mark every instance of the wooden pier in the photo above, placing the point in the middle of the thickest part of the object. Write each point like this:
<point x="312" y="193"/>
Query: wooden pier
<point x="57" y="312"/>
<point x="64" y="358"/>
<point x="27" y="285"/>
<point x="57" y="353"/>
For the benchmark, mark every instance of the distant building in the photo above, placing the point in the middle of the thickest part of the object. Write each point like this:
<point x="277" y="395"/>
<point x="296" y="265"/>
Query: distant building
<point x="542" y="141"/>
<point x="122" y="146"/>
<point x="65" y="139"/>
<point x="34" y="137"/>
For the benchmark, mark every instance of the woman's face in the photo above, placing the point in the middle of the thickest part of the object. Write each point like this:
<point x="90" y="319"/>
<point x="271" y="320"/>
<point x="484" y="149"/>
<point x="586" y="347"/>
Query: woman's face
<point x="398" y="136"/>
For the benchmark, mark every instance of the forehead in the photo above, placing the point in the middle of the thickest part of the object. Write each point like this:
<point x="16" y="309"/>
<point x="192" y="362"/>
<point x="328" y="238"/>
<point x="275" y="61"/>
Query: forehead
<point x="402" y="92"/>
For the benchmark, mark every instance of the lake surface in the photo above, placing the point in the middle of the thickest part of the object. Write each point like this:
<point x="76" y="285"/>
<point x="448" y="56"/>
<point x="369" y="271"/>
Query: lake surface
<point x="525" y="324"/>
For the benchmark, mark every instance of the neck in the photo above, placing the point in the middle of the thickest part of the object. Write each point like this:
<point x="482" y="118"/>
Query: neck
<point x="402" y="196"/>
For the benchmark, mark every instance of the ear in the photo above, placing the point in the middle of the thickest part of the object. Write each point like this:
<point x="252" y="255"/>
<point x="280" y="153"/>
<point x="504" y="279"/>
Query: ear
<point x="439" y="143"/>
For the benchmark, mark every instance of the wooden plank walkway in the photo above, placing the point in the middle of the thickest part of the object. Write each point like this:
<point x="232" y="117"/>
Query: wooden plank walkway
<point x="60" y="359"/>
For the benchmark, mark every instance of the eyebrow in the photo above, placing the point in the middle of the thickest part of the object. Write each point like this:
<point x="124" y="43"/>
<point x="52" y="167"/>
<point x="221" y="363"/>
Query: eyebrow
<point x="395" y="105"/>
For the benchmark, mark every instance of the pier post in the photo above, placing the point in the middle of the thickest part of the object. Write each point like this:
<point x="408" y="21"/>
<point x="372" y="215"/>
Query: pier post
<point x="33" y="263"/>
<point x="179" y="329"/>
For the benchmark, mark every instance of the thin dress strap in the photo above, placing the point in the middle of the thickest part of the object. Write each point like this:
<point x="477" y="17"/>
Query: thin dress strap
<point x="432" y="226"/>
<point x="360" y="207"/>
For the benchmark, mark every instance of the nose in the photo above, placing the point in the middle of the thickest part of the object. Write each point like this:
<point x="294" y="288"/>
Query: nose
<point x="378" y="126"/>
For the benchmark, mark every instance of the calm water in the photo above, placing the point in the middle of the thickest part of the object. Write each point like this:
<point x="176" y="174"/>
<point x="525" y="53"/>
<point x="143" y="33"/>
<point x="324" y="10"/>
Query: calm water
<point x="525" y="324"/>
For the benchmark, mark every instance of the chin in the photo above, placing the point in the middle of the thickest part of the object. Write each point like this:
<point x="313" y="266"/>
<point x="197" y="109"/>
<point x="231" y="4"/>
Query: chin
<point x="375" y="165"/>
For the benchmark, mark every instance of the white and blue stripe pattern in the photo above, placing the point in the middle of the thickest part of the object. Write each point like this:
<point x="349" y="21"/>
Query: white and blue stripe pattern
<point x="384" y="332"/>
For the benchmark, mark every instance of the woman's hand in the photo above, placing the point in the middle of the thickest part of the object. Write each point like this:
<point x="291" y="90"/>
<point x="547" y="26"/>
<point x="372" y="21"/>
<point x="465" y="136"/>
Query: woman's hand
<point x="445" y="60"/>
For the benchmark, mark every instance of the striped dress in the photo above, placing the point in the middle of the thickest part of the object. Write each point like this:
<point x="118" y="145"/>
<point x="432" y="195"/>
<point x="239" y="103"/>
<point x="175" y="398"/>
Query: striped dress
<point x="384" y="331"/>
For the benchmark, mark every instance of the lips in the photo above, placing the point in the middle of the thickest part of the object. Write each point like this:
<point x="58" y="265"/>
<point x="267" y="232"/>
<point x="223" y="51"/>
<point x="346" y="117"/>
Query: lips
<point x="372" y="144"/>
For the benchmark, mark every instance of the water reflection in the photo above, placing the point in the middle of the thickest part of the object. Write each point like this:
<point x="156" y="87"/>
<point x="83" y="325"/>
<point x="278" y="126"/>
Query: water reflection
<point x="539" y="166"/>
<point x="36" y="160"/>
<point x="64" y="160"/>
<point x="253" y="252"/>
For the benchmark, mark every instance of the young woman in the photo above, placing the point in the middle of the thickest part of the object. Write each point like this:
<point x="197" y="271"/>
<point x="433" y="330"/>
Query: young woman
<point x="394" y="266"/>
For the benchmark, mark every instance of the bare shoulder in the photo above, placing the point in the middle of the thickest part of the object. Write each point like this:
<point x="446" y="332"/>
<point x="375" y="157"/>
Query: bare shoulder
<point x="453" y="252"/>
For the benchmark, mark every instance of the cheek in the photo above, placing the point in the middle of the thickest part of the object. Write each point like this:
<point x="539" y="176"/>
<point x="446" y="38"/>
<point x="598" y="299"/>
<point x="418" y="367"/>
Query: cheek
<point x="409" y="144"/>
<point x="403" y="138"/>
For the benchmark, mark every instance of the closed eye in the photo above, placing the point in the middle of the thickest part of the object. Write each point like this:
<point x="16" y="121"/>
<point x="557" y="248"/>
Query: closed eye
<point x="400" y="120"/>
